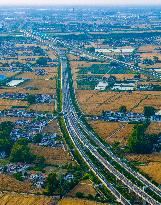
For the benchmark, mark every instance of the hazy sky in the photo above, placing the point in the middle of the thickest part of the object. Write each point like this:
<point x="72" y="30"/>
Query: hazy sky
<point x="82" y="2"/>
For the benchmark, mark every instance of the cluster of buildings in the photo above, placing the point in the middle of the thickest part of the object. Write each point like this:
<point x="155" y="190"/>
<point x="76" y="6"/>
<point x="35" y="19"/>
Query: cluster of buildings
<point x="39" y="98"/>
<point x="126" y="117"/>
<point x="24" y="114"/>
<point x="28" y="130"/>
<point x="111" y="83"/>
<point x="14" y="168"/>
<point x="37" y="178"/>
<point x="51" y="140"/>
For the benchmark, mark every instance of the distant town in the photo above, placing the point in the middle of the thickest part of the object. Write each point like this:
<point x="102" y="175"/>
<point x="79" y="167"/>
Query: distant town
<point x="80" y="105"/>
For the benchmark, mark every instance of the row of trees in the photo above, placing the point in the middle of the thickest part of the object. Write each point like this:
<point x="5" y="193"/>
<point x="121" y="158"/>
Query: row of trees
<point x="148" y="110"/>
<point x="149" y="61"/>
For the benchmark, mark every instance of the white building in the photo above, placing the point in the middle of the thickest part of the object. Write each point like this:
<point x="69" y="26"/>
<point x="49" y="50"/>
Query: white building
<point x="117" y="50"/>
<point x="123" y="86"/>
<point x="101" y="86"/>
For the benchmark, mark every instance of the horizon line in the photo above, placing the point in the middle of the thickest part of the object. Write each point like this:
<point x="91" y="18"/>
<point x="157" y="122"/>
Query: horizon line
<point x="68" y="4"/>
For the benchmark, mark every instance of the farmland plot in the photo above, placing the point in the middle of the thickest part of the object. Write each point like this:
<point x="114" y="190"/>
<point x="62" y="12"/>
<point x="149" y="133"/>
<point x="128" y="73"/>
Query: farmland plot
<point x="113" y="131"/>
<point x="52" y="155"/>
<point x="151" y="164"/>
<point x="84" y="186"/>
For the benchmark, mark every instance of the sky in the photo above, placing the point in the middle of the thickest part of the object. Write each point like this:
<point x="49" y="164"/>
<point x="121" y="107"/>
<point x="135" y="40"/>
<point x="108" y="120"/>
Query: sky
<point x="79" y="2"/>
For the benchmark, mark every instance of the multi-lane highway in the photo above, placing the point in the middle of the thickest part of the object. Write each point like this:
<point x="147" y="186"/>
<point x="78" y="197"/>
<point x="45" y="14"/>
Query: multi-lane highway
<point x="83" y="139"/>
<point x="73" y="124"/>
<point x="74" y="135"/>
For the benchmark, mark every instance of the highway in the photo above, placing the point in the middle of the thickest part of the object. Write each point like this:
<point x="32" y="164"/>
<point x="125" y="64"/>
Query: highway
<point x="67" y="102"/>
<point x="82" y="136"/>
<point x="72" y="118"/>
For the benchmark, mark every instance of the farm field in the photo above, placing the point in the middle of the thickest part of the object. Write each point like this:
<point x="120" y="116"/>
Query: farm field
<point x="154" y="128"/>
<point x="40" y="86"/>
<point x="32" y="75"/>
<point x="45" y="107"/>
<point x="147" y="48"/>
<point x="52" y="155"/>
<point x="9" y="183"/>
<point x="85" y="187"/>
<point x="7" y="74"/>
<point x="94" y="102"/>
<point x="7" y="104"/>
<point x="150" y="55"/>
<point x="76" y="66"/>
<point x="33" y="91"/>
<point x="50" y="84"/>
<point x="52" y="127"/>
<point x="73" y="201"/>
<point x="18" y="199"/>
<point x="152" y="164"/>
<point x="12" y="119"/>
<point x="113" y="131"/>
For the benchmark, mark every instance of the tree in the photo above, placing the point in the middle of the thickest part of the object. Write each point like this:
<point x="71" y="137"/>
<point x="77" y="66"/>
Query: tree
<point x="121" y="58"/>
<point x="18" y="176"/>
<point x="79" y="195"/>
<point x="149" y="111"/>
<point x="22" y="141"/>
<point x="40" y="161"/>
<point x="122" y="109"/>
<point x="148" y="61"/>
<point x="156" y="59"/>
<point x="37" y="138"/>
<point x="21" y="153"/>
<point x="5" y="129"/>
<point x="42" y="61"/>
<point x="39" y="51"/>
<point x="5" y="145"/>
<point x="31" y="99"/>
<point x="52" y="183"/>
<point x="138" y="142"/>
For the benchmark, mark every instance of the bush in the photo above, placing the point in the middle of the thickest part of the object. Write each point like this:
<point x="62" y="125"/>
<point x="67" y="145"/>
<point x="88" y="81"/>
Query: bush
<point x="37" y="138"/>
<point x="18" y="176"/>
<point x="149" y="111"/>
<point x="79" y="195"/>
<point x="31" y="99"/>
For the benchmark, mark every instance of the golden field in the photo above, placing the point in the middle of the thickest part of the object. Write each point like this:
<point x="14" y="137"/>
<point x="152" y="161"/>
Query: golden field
<point x="18" y="199"/>
<point x="52" y="127"/>
<point x="40" y="90"/>
<point x="153" y="170"/>
<point x="7" y="104"/>
<point x="113" y="131"/>
<point x="9" y="183"/>
<point x="40" y="86"/>
<point x="50" y="84"/>
<point x="94" y="102"/>
<point x="72" y="201"/>
<point x="51" y="155"/>
<point x="152" y="165"/>
<point x="84" y="186"/>
<point x="45" y="107"/>
<point x="154" y="128"/>
<point x="32" y="75"/>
